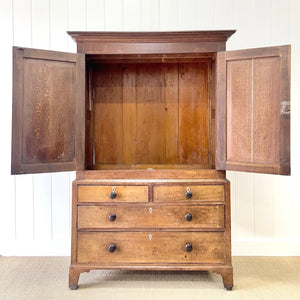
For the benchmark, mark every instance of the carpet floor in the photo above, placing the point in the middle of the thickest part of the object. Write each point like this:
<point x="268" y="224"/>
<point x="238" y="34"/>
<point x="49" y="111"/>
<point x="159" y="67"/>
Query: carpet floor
<point x="47" y="278"/>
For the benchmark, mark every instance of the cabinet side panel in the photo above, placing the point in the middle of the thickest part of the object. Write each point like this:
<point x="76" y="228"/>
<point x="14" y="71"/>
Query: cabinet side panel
<point x="211" y="85"/>
<point x="108" y="114"/>
<point x="220" y="125"/>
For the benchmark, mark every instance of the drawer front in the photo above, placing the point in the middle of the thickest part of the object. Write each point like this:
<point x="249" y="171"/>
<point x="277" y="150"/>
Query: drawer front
<point x="108" y="217"/>
<point x="96" y="193"/>
<point x="176" y="193"/>
<point x="150" y="247"/>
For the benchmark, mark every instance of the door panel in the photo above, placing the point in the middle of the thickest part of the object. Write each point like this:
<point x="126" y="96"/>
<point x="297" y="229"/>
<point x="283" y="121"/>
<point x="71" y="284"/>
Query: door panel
<point x="48" y="111"/>
<point x="253" y="110"/>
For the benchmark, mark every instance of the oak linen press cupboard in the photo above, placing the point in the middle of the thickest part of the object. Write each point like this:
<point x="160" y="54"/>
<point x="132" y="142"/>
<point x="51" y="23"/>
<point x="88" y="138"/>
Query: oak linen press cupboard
<point x="151" y="121"/>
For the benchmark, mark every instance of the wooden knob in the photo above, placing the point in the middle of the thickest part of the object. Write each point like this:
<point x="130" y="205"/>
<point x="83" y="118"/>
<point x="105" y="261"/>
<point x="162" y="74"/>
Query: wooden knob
<point x="112" y="217"/>
<point x="188" y="193"/>
<point x="188" y="217"/>
<point x="188" y="247"/>
<point x="112" y="248"/>
<point x="113" y="194"/>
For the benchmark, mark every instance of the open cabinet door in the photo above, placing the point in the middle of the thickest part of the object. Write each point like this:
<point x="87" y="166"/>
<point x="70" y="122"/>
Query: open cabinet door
<point x="253" y="110"/>
<point x="48" y="111"/>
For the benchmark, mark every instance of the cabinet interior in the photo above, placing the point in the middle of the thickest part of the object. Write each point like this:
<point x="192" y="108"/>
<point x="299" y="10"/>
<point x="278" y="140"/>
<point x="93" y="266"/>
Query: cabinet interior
<point x="150" y="112"/>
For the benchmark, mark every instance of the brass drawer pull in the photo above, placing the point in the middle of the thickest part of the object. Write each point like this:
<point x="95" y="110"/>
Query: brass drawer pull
<point x="188" y="193"/>
<point x="112" y="217"/>
<point x="112" y="248"/>
<point x="113" y="194"/>
<point x="188" y="217"/>
<point x="188" y="247"/>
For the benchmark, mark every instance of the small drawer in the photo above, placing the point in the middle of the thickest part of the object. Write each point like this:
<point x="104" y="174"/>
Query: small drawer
<point x="146" y="216"/>
<point x="188" y="193"/>
<point x="150" y="247"/>
<point x="113" y="193"/>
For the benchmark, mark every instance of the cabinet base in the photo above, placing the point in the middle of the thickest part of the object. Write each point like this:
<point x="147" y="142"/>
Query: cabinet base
<point x="227" y="276"/>
<point x="225" y="271"/>
<point x="74" y="274"/>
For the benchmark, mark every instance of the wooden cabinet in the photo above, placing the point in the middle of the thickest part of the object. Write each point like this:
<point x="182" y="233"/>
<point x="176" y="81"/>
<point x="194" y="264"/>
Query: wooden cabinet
<point x="178" y="220"/>
<point x="151" y="121"/>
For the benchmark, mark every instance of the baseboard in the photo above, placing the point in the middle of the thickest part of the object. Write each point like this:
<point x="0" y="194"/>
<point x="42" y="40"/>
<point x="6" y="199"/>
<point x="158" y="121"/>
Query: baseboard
<point x="36" y="248"/>
<point x="266" y="248"/>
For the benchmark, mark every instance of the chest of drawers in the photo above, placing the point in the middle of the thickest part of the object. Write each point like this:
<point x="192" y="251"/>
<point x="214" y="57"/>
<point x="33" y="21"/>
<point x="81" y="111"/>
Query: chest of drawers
<point x="151" y="220"/>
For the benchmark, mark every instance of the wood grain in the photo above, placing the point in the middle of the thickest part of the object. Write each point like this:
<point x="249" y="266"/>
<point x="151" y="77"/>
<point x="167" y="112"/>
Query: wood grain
<point x="211" y="118"/>
<point x="150" y="42"/>
<point x="133" y="247"/>
<point x="154" y="216"/>
<point x="48" y="135"/>
<point x="228" y="228"/>
<point x="153" y="235"/>
<point x="171" y="112"/>
<point x="96" y="193"/>
<point x="129" y="114"/>
<point x="176" y="193"/>
<point x="108" y="114"/>
<point x="266" y="110"/>
<point x="46" y="102"/>
<point x="89" y="119"/>
<point x="184" y="174"/>
<point x="149" y="166"/>
<point x="74" y="224"/>
<point x="239" y="107"/>
<point x="193" y="113"/>
<point x="144" y="114"/>
<point x="221" y="111"/>
<point x="74" y="274"/>
<point x="150" y="107"/>
<point x="258" y="134"/>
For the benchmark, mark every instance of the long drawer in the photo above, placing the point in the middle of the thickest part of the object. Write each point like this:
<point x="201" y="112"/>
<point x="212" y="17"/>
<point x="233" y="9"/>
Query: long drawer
<point x="188" y="193"/>
<point x="107" y="193"/>
<point x="156" y="216"/>
<point x="150" y="247"/>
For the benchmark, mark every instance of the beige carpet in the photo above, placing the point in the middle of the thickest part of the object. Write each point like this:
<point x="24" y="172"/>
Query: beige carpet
<point x="47" y="278"/>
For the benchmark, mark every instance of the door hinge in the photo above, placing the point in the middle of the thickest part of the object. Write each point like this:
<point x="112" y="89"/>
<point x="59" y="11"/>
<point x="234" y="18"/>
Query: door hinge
<point x="285" y="107"/>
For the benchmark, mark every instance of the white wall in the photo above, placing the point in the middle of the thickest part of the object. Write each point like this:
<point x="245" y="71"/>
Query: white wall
<point x="35" y="209"/>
